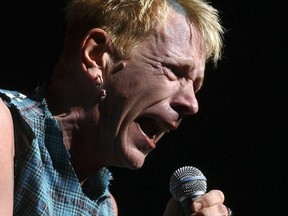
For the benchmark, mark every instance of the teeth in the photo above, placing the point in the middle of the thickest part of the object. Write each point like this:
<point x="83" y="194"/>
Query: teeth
<point x="154" y="138"/>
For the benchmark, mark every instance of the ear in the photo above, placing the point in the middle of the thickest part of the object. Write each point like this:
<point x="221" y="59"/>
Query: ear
<point x="94" y="49"/>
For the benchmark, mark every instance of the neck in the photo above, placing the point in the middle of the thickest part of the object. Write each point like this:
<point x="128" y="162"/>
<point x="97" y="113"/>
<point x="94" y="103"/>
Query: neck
<point x="69" y="88"/>
<point x="72" y="101"/>
<point x="84" y="154"/>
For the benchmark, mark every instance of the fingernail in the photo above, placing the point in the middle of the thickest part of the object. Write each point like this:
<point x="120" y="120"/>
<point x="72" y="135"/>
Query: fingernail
<point x="197" y="206"/>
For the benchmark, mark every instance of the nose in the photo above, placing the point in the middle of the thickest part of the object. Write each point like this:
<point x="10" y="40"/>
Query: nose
<point x="185" y="101"/>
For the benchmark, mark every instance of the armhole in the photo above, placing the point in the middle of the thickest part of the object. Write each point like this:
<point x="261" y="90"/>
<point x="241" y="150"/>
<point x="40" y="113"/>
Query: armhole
<point x="23" y="134"/>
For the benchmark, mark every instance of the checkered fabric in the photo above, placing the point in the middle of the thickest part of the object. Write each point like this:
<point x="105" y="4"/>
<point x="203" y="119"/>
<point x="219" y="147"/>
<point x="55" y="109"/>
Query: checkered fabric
<point x="45" y="182"/>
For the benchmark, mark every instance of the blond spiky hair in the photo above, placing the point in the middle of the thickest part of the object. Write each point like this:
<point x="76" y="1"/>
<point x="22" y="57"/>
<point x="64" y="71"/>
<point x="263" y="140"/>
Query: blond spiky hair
<point x="131" y="21"/>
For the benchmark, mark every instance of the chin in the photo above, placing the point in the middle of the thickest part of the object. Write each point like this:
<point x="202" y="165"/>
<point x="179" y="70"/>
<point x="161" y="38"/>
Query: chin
<point x="135" y="160"/>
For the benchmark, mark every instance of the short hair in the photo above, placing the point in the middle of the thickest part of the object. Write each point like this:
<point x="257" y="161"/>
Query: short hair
<point x="131" y="21"/>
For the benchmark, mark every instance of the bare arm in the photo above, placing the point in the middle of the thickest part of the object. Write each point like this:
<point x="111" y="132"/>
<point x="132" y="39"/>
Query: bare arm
<point x="114" y="205"/>
<point x="6" y="161"/>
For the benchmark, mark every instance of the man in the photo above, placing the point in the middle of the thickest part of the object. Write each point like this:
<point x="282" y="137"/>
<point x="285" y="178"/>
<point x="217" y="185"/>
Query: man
<point x="128" y="74"/>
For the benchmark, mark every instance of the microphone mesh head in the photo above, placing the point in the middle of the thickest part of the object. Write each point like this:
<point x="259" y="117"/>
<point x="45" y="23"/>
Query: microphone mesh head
<point x="187" y="182"/>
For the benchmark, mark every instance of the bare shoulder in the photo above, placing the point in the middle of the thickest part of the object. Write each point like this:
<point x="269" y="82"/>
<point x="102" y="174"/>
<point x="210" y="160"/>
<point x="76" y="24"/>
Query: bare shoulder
<point x="6" y="160"/>
<point x="6" y="125"/>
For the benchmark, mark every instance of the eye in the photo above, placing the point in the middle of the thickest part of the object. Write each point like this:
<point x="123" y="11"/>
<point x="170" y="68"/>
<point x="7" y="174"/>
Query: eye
<point x="172" y="69"/>
<point x="178" y="72"/>
<point x="198" y="84"/>
<point x="170" y="72"/>
<point x="173" y="72"/>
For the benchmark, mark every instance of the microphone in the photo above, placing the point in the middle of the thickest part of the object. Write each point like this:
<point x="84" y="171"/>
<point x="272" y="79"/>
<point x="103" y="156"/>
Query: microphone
<point x="186" y="185"/>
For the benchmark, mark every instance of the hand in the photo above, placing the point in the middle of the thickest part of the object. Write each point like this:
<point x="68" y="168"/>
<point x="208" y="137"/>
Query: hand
<point x="210" y="204"/>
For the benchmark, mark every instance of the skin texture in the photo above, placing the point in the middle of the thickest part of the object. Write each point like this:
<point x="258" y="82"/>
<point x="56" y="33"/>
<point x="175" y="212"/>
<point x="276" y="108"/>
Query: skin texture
<point x="6" y="161"/>
<point x="154" y="88"/>
<point x="150" y="68"/>
<point x="209" y="204"/>
<point x="148" y="94"/>
<point x="169" y="63"/>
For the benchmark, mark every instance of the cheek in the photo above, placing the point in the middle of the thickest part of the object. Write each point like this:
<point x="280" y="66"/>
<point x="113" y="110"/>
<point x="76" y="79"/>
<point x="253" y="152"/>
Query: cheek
<point x="126" y="149"/>
<point x="164" y="87"/>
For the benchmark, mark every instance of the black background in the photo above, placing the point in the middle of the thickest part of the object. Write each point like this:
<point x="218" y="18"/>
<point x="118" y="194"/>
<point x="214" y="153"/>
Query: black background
<point x="238" y="139"/>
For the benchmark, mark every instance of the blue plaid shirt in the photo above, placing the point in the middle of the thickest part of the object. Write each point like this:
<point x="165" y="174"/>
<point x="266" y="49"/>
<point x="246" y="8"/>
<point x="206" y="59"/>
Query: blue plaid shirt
<point x="45" y="182"/>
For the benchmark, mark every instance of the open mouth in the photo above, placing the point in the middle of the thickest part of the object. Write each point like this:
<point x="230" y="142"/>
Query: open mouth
<point x="150" y="127"/>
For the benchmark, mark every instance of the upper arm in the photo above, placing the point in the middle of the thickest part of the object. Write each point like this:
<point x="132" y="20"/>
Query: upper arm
<point x="114" y="205"/>
<point x="6" y="160"/>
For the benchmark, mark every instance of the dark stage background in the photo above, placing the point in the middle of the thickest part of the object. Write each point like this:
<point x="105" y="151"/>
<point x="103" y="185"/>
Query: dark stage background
<point x="238" y="139"/>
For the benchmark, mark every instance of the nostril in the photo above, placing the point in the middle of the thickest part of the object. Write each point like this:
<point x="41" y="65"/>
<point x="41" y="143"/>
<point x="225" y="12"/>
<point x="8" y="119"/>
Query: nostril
<point x="183" y="111"/>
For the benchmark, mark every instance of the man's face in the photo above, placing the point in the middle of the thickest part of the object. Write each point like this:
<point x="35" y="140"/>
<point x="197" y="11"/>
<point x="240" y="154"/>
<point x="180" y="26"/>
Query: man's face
<point x="154" y="91"/>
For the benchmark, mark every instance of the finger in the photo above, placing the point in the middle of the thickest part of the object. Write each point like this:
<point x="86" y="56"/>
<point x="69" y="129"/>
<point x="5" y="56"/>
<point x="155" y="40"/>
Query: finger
<point x="209" y="199"/>
<point x="215" y="210"/>
<point x="173" y="208"/>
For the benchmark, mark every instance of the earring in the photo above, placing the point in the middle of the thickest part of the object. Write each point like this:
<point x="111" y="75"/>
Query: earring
<point x="103" y="94"/>
<point x="98" y="81"/>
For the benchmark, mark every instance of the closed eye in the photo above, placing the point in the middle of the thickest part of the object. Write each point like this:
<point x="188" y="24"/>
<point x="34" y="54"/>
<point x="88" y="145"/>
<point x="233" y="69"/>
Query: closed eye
<point x="178" y="72"/>
<point x="174" y="72"/>
<point x="170" y="72"/>
<point x="198" y="84"/>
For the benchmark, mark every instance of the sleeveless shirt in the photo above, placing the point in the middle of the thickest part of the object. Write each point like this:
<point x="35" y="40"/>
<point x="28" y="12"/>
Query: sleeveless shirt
<point x="45" y="182"/>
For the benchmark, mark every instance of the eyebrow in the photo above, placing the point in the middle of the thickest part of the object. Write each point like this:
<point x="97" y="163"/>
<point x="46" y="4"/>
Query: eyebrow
<point x="178" y="61"/>
<point x="188" y="64"/>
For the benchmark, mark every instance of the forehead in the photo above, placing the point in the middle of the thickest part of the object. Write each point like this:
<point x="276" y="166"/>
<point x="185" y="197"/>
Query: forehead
<point x="181" y="35"/>
<point x="176" y="40"/>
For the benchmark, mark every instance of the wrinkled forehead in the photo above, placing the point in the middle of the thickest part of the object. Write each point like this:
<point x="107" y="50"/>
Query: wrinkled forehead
<point x="179" y="32"/>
